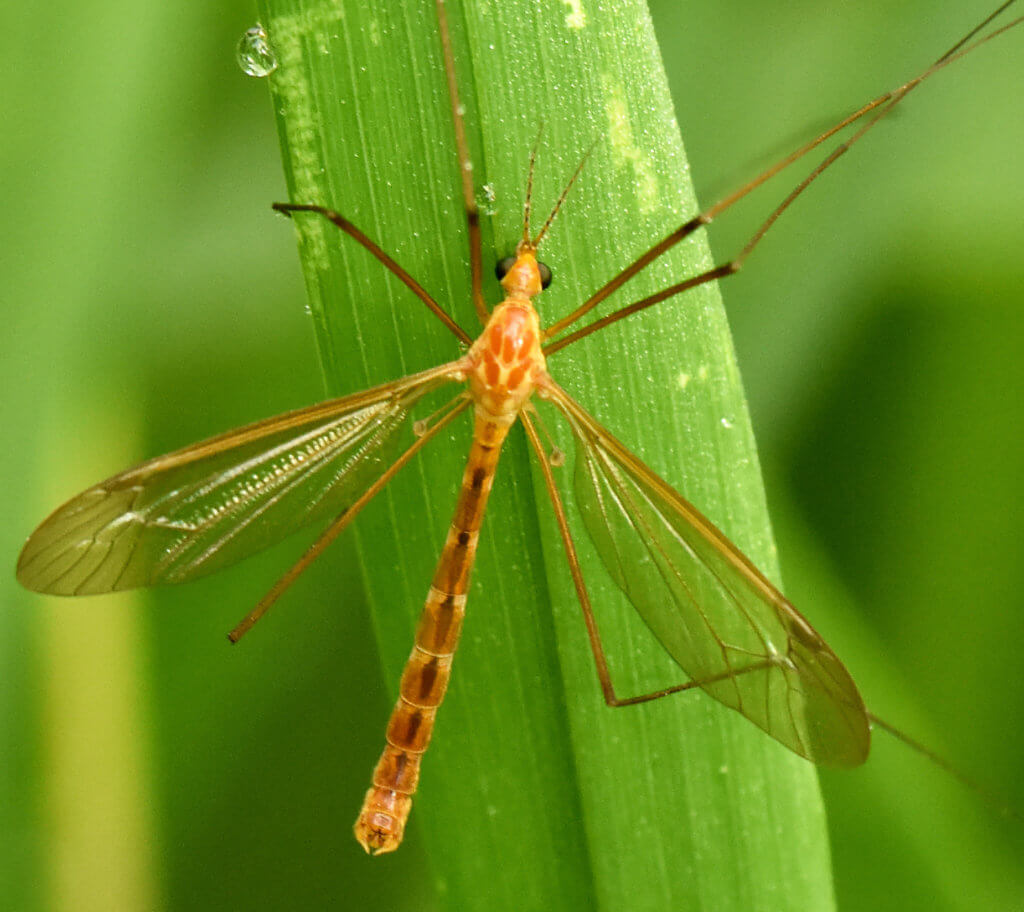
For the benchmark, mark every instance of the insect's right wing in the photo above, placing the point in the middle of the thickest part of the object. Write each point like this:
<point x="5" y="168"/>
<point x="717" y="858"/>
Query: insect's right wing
<point x="726" y="625"/>
<point x="204" y="507"/>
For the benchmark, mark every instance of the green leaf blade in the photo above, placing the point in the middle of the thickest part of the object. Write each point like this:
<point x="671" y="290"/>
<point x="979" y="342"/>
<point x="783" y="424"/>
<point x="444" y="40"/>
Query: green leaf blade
<point x="533" y="792"/>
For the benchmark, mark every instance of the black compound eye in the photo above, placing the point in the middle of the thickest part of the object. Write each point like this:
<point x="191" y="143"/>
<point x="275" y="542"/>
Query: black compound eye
<point x="502" y="267"/>
<point x="545" y="274"/>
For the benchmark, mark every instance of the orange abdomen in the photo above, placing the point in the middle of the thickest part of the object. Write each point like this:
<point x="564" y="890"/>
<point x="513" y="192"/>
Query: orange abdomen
<point x="381" y="822"/>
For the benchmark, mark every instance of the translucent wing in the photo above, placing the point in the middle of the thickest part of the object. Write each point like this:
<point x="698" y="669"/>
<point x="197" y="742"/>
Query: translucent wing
<point x="726" y="626"/>
<point x="199" y="509"/>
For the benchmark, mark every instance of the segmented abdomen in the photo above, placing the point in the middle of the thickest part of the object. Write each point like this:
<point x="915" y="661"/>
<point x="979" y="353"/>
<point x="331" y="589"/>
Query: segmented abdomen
<point x="381" y="821"/>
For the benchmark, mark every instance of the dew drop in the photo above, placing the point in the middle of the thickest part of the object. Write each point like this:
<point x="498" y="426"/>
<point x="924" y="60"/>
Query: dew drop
<point x="727" y="423"/>
<point x="486" y="199"/>
<point x="557" y="457"/>
<point x="254" y="54"/>
<point x="419" y="427"/>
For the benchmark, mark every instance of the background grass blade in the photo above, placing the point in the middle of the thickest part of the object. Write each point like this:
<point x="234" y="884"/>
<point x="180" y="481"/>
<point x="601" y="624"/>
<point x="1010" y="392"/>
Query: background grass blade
<point x="146" y="281"/>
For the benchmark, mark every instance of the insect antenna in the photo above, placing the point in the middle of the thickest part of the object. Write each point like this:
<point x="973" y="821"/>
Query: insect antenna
<point x="529" y="186"/>
<point x="564" y="194"/>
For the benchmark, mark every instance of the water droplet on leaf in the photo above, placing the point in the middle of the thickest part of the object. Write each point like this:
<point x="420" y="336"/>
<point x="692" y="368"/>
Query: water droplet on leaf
<point x="254" y="54"/>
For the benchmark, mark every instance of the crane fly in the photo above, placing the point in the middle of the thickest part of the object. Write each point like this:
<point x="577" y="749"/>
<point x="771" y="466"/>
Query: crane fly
<point x="195" y="511"/>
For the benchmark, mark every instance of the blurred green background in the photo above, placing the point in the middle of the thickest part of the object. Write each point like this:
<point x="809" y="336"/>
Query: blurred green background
<point x="153" y="300"/>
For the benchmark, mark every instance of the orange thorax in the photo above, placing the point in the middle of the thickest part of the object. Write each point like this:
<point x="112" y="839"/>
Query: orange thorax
<point x="506" y="360"/>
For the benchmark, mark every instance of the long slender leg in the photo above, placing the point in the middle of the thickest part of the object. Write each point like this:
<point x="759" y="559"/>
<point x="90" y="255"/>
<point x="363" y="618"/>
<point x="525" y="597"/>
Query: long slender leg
<point x="353" y="232"/>
<point x="881" y="106"/>
<point x="465" y="166"/>
<point x="593" y="635"/>
<point x="997" y="802"/>
<point x="339" y="525"/>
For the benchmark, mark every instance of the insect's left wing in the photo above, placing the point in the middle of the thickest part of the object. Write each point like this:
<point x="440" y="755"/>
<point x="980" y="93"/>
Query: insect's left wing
<point x="726" y="625"/>
<point x="204" y="507"/>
